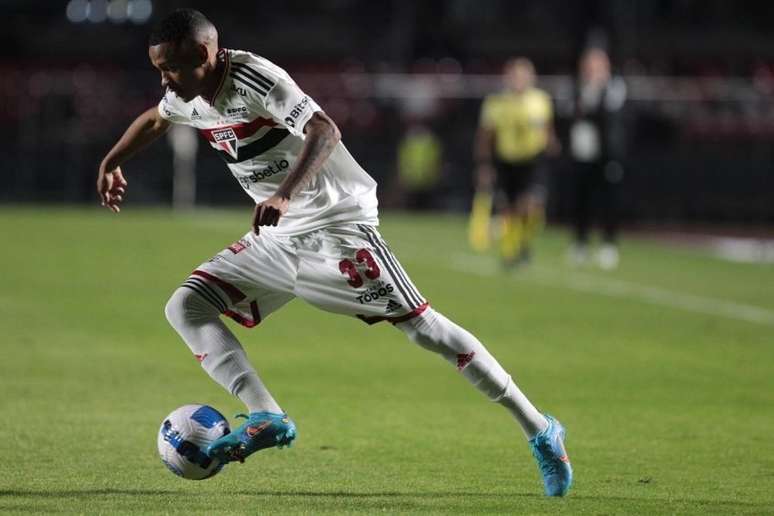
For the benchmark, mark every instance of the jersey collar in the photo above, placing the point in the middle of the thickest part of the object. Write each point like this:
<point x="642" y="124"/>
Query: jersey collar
<point x="222" y="57"/>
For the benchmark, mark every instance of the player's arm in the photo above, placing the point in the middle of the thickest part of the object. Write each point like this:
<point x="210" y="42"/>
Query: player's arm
<point x="554" y="146"/>
<point x="483" y="156"/>
<point x="145" y="129"/>
<point x="322" y="135"/>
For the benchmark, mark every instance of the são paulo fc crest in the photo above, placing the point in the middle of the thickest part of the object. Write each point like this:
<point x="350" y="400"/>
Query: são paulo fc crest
<point x="226" y="139"/>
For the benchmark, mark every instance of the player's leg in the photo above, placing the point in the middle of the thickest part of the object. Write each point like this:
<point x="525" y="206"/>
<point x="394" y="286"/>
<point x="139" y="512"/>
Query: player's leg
<point x="545" y="435"/>
<point x="584" y="190"/>
<point x="236" y="283"/>
<point x="351" y="270"/>
<point x="537" y="193"/>
<point x="434" y="332"/>
<point x="510" y="183"/>
<point x="194" y="312"/>
<point x="534" y="220"/>
<point x="612" y="175"/>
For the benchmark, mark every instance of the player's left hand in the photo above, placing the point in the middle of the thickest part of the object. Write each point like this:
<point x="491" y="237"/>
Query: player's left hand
<point x="269" y="212"/>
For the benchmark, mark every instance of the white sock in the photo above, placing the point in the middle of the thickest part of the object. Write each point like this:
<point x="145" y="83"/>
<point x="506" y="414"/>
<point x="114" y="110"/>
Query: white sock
<point x="434" y="332"/>
<point x="198" y="323"/>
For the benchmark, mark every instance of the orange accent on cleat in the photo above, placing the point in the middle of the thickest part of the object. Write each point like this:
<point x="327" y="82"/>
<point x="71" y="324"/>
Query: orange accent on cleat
<point x="252" y="431"/>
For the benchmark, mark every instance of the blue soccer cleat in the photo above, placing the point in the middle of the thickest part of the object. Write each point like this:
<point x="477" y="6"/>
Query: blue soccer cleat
<point x="261" y="430"/>
<point x="548" y="449"/>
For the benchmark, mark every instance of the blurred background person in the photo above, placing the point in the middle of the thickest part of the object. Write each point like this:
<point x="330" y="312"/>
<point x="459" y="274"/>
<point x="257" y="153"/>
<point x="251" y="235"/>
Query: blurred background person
<point x="420" y="158"/>
<point x="515" y="131"/>
<point x="596" y="145"/>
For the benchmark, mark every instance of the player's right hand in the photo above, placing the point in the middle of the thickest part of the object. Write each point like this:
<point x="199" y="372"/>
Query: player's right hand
<point x="111" y="186"/>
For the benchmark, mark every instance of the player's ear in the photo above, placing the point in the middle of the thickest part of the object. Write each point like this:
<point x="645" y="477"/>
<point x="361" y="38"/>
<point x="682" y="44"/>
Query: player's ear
<point x="201" y="54"/>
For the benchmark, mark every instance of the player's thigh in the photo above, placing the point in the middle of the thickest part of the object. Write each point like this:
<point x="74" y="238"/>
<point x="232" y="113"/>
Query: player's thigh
<point x="351" y="270"/>
<point x="249" y="279"/>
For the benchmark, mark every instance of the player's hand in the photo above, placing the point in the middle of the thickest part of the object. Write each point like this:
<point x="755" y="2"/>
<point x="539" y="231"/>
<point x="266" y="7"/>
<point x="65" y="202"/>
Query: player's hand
<point x="485" y="176"/>
<point x="111" y="186"/>
<point x="269" y="212"/>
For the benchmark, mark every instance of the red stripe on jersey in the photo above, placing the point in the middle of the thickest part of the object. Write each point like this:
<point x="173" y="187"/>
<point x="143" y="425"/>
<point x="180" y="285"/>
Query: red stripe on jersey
<point x="234" y="293"/>
<point x="395" y="320"/>
<point x="244" y="321"/>
<point x="242" y="130"/>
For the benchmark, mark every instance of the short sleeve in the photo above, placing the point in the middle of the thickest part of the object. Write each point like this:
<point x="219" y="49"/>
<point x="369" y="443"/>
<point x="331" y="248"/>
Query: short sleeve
<point x="169" y="111"/>
<point x="287" y="104"/>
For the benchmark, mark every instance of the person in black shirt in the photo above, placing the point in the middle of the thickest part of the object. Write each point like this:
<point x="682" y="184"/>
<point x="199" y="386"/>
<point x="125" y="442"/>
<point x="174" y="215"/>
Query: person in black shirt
<point x="596" y="146"/>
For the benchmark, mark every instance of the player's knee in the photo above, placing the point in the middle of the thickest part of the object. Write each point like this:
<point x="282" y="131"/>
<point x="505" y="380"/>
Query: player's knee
<point x="186" y="306"/>
<point x="428" y="331"/>
<point x="175" y="307"/>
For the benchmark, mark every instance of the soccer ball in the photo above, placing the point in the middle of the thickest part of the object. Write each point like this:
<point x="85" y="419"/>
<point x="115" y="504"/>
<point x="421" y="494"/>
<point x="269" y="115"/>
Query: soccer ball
<point x="183" y="437"/>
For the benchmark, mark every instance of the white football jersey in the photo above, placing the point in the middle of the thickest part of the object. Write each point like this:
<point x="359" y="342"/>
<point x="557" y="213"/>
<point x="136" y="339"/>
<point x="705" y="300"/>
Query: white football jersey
<point x="255" y="123"/>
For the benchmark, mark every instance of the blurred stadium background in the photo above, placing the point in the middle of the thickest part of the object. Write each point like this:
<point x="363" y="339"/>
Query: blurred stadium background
<point x="661" y="369"/>
<point x="699" y="119"/>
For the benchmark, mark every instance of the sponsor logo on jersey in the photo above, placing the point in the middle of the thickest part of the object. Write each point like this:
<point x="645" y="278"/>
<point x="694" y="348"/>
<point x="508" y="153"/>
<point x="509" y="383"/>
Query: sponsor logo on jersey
<point x="299" y="108"/>
<point x="240" y="90"/>
<point x="241" y="110"/>
<point x="195" y="115"/>
<point x="239" y="246"/>
<point x="226" y="139"/>
<point x="376" y="292"/>
<point x="276" y="167"/>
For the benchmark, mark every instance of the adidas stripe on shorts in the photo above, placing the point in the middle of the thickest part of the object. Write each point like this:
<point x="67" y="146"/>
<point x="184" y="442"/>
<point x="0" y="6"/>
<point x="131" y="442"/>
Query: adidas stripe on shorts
<point x="347" y="269"/>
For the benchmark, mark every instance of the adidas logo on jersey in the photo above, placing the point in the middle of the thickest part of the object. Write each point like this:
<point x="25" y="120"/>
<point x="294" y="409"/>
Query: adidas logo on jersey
<point x="392" y="306"/>
<point x="195" y="115"/>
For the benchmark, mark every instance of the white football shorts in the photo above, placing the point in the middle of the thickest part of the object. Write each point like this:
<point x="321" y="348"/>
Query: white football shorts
<point x="347" y="269"/>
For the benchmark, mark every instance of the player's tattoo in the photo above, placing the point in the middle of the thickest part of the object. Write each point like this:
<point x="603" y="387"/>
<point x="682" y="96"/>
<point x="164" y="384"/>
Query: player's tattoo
<point x="322" y="135"/>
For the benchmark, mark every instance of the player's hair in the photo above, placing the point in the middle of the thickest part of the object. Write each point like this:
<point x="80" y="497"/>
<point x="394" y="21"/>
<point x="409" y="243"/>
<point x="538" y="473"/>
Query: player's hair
<point x="520" y="62"/>
<point x="179" y="25"/>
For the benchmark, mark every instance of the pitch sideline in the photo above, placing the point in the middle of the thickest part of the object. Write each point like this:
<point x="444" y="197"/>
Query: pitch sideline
<point x="588" y="283"/>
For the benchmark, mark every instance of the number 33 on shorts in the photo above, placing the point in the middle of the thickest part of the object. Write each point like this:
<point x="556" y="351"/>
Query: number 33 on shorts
<point x="369" y="282"/>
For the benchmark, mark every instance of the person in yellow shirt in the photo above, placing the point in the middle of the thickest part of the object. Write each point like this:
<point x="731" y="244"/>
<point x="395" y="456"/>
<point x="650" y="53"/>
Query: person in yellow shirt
<point x="515" y="131"/>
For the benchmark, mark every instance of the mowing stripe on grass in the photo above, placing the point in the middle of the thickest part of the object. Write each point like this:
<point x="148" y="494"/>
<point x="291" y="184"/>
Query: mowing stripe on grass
<point x="589" y="283"/>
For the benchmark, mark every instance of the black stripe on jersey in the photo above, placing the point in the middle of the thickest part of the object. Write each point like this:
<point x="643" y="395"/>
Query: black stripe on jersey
<point x="399" y="280"/>
<point x="239" y="76"/>
<point x="272" y="138"/>
<point x="206" y="286"/>
<point x="255" y="74"/>
<point x="203" y="294"/>
<point x="398" y="268"/>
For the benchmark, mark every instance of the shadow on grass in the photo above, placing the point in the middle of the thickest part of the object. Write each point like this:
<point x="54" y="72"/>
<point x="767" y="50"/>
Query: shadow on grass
<point x="75" y="493"/>
<point x="79" y="493"/>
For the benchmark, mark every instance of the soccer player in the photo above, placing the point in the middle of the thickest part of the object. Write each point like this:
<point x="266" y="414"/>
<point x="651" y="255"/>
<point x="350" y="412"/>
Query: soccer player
<point x="515" y="131"/>
<point x="313" y="235"/>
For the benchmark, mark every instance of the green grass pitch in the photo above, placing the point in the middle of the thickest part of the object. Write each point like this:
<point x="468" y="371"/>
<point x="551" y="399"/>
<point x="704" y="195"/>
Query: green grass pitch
<point x="662" y="372"/>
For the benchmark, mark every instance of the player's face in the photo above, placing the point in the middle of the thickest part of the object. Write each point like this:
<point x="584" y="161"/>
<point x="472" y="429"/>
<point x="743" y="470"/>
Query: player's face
<point x="182" y="68"/>
<point x="519" y="77"/>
